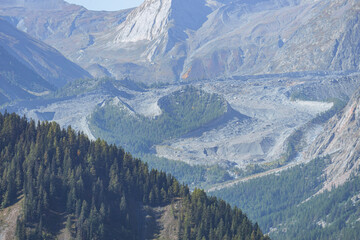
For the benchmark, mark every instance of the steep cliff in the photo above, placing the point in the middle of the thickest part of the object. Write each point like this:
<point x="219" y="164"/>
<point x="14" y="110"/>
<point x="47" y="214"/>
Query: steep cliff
<point x="341" y="141"/>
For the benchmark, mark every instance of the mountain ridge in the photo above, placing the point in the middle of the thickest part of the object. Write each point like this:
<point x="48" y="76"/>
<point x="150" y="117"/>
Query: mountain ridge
<point x="172" y="40"/>
<point x="46" y="61"/>
<point x="239" y="38"/>
<point x="69" y="28"/>
<point x="18" y="81"/>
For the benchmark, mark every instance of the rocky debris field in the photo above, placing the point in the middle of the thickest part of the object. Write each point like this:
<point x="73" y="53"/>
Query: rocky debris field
<point x="273" y="117"/>
<point x="262" y="115"/>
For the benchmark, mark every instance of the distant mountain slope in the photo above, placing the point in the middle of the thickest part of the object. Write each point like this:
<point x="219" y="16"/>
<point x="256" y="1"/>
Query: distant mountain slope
<point x="34" y="4"/>
<point x="67" y="27"/>
<point x="18" y="81"/>
<point x="76" y="188"/>
<point x="252" y="37"/>
<point x="150" y="45"/>
<point x="167" y="40"/>
<point x="237" y="38"/>
<point x="341" y="141"/>
<point x="39" y="57"/>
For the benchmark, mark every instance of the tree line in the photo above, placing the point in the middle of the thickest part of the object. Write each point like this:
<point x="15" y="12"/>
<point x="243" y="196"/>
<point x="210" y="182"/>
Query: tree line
<point x="97" y="189"/>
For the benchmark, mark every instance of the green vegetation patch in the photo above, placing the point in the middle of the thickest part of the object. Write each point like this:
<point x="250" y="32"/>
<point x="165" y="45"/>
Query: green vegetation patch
<point x="185" y="173"/>
<point x="83" y="86"/>
<point x="93" y="190"/>
<point x="268" y="199"/>
<point x="331" y="215"/>
<point x="182" y="112"/>
<point x="284" y="204"/>
<point x="191" y="175"/>
<point x="78" y="87"/>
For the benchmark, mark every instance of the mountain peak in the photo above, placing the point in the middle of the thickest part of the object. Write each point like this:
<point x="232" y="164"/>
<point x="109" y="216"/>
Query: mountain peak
<point x="145" y="22"/>
<point x="155" y="17"/>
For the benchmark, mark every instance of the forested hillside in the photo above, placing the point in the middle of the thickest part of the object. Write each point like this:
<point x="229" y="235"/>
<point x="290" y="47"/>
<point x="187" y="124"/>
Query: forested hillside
<point x="287" y="204"/>
<point x="96" y="190"/>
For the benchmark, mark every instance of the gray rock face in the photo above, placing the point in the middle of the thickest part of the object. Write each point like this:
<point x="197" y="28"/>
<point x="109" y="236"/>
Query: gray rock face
<point x="275" y="38"/>
<point x="244" y="37"/>
<point x="169" y="40"/>
<point x="341" y="141"/>
<point x="155" y="18"/>
<point x="39" y="57"/>
<point x="151" y="44"/>
<point x="326" y="40"/>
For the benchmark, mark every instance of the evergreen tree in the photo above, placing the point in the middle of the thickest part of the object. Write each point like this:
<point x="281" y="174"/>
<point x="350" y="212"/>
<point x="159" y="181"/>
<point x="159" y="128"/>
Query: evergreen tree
<point x="98" y="187"/>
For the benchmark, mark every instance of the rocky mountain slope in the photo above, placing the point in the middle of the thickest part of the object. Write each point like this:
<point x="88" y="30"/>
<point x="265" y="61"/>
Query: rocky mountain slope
<point x="67" y="27"/>
<point x="18" y="81"/>
<point x="167" y="40"/>
<point x="38" y="57"/>
<point x="341" y="141"/>
<point x="275" y="37"/>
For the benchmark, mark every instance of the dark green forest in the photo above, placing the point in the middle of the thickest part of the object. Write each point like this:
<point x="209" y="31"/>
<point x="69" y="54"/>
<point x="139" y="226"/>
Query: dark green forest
<point x="97" y="189"/>
<point x="284" y="204"/>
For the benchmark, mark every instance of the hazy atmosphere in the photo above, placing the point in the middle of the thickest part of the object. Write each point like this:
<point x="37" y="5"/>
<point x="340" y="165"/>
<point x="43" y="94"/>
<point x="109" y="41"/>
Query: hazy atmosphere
<point x="179" y="119"/>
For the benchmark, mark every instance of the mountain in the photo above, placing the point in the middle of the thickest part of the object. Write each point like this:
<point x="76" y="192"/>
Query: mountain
<point x="151" y="41"/>
<point x="18" y="81"/>
<point x="40" y="58"/>
<point x="167" y="19"/>
<point x="67" y="27"/>
<point x="169" y="40"/>
<point x="318" y="199"/>
<point x="340" y="140"/>
<point x="59" y="184"/>
<point x="254" y="37"/>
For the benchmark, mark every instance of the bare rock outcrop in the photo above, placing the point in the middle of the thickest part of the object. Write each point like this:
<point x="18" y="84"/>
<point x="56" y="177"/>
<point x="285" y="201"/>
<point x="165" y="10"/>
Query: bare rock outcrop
<point x="341" y="141"/>
<point x="171" y="40"/>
